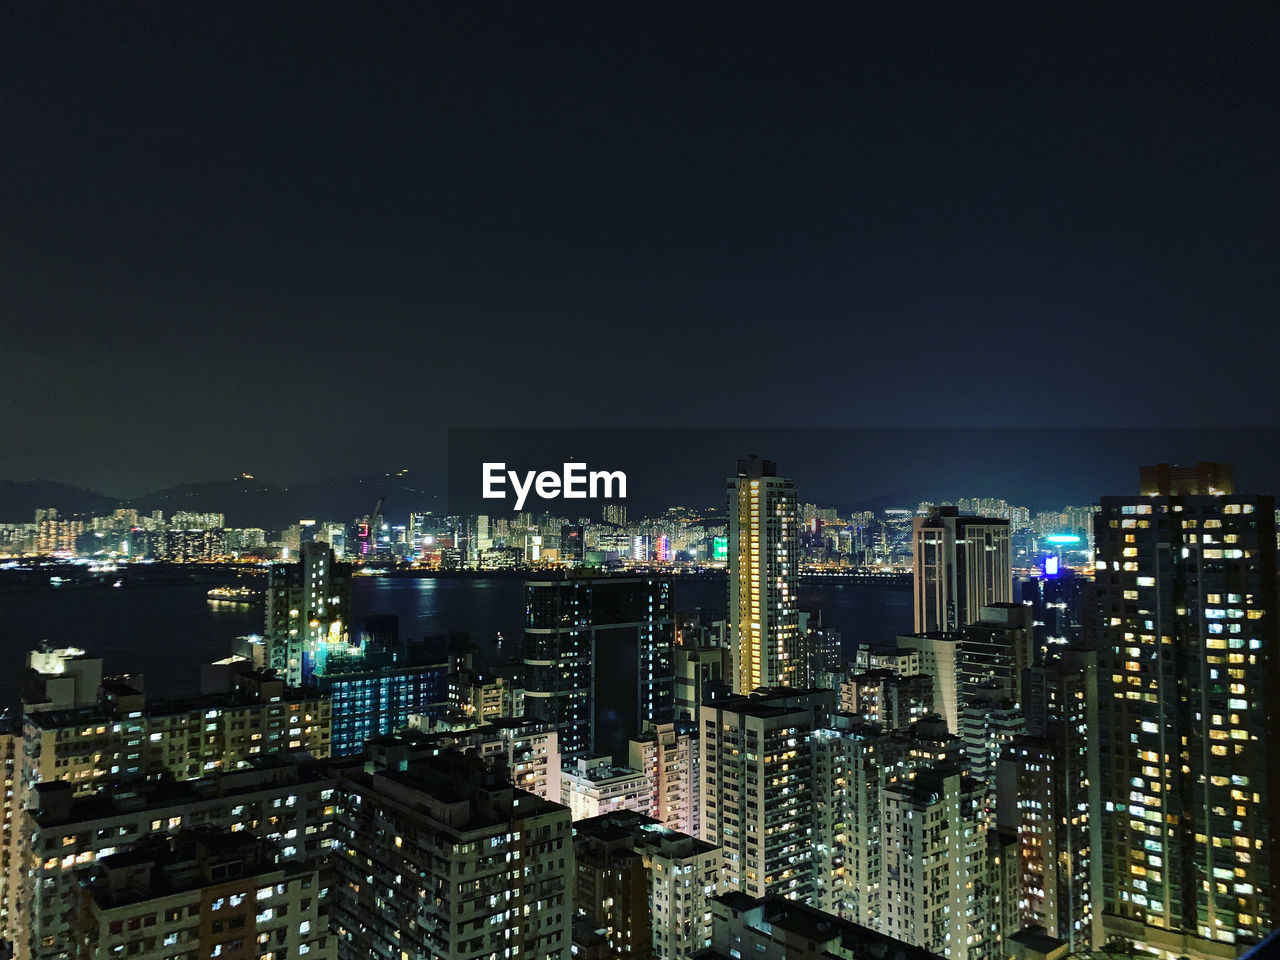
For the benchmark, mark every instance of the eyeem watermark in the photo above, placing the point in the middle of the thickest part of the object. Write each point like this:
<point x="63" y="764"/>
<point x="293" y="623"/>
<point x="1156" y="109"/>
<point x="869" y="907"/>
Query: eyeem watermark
<point x="573" y="482"/>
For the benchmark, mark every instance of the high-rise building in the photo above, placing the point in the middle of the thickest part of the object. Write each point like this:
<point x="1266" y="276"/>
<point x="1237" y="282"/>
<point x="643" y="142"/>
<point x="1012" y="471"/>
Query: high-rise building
<point x="193" y="520"/>
<point x="936" y="888"/>
<point x="377" y="682"/>
<point x="700" y="671"/>
<point x="128" y="736"/>
<point x="852" y="759"/>
<point x="962" y="564"/>
<point x="822" y="649"/>
<point x="646" y="888"/>
<point x="758" y="788"/>
<point x="1049" y="794"/>
<point x="445" y="858"/>
<point x="994" y="651"/>
<point x="1187" y="668"/>
<point x="572" y="545"/>
<point x="63" y="836"/>
<point x="938" y="656"/>
<point x="667" y="754"/>
<point x="887" y="698"/>
<point x="10" y="771"/>
<point x="115" y="751"/>
<point x="533" y="755"/>
<point x="1057" y="602"/>
<point x="308" y="607"/>
<point x="764" y="571"/>
<point x="207" y="893"/>
<point x="598" y="655"/>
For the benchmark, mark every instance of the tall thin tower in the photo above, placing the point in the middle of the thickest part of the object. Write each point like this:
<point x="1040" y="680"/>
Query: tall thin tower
<point x="764" y="556"/>
<point x="1188" y="681"/>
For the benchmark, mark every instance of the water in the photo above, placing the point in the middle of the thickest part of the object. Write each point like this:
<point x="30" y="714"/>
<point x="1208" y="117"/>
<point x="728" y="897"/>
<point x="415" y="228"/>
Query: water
<point x="166" y="631"/>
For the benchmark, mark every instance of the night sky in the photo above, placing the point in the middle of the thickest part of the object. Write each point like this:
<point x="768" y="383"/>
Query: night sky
<point x="303" y="240"/>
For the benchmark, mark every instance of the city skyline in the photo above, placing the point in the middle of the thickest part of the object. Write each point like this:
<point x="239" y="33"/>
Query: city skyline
<point x="639" y="482"/>
<point x="852" y="468"/>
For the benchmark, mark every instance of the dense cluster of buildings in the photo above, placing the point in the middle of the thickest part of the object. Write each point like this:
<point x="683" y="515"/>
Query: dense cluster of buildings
<point x="1044" y="766"/>
<point x="680" y="537"/>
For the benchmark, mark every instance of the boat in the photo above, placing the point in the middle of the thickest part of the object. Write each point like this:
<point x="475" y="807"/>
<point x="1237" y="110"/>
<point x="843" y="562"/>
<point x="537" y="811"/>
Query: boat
<point x="236" y="595"/>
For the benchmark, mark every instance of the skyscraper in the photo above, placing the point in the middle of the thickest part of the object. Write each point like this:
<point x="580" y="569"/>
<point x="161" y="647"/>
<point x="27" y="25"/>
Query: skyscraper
<point x="758" y="788"/>
<point x="308" y="606"/>
<point x="447" y="859"/>
<point x="667" y="754"/>
<point x="647" y="888"/>
<point x="1187" y="666"/>
<point x="764" y="557"/>
<point x="598" y="654"/>
<point x="961" y="565"/>
<point x="935" y="871"/>
<point x="1049" y="794"/>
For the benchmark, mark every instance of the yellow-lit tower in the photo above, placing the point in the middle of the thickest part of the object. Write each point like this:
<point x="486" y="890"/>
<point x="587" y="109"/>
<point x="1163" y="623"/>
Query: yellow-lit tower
<point x="764" y="556"/>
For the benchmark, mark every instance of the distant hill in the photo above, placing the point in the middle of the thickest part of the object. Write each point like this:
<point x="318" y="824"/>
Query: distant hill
<point x="20" y="499"/>
<point x="245" y="502"/>
<point x="252" y="503"/>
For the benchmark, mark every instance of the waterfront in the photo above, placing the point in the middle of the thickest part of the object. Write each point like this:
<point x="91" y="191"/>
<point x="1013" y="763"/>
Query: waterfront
<point x="167" y="630"/>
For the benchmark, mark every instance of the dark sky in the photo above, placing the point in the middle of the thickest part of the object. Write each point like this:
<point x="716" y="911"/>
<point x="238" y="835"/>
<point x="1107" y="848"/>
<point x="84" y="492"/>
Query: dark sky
<point x="304" y="239"/>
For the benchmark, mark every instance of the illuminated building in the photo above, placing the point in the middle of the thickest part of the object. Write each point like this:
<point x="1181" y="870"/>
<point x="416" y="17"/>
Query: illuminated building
<point x="667" y="755"/>
<point x="962" y="564"/>
<point x="448" y="859"/>
<point x="1186" y="592"/>
<point x="645" y="887"/>
<point x="720" y="549"/>
<point x="772" y="928"/>
<point x="699" y="671"/>
<point x="485" y="696"/>
<point x="533" y="755"/>
<point x="188" y="520"/>
<point x="215" y="893"/>
<point x="851" y="760"/>
<point x="764" y="568"/>
<point x="64" y="836"/>
<point x="937" y="891"/>
<point x="758" y="788"/>
<point x="884" y="697"/>
<point x="937" y="654"/>
<point x="58" y="679"/>
<point x="593" y="786"/>
<point x="308" y="607"/>
<point x="994" y="651"/>
<point x="126" y="746"/>
<point x="1049" y="793"/>
<point x="572" y="545"/>
<point x="127" y="736"/>
<point x="598" y="656"/>
<point x="1057" y="600"/>
<point x="58" y="536"/>
<point x="374" y="689"/>
<point x="244" y="539"/>
<point x="822" y="648"/>
<point x="179" y="546"/>
<point x="10" y="771"/>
